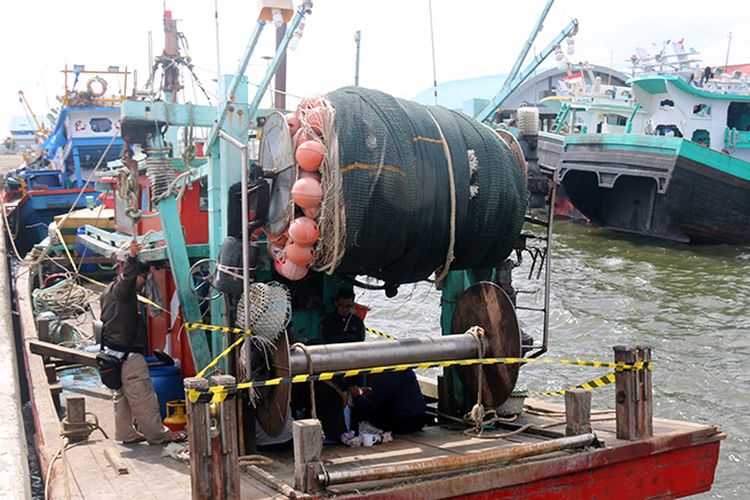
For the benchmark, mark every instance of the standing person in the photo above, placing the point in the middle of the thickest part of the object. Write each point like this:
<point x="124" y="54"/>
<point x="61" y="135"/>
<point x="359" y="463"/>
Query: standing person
<point x="124" y="337"/>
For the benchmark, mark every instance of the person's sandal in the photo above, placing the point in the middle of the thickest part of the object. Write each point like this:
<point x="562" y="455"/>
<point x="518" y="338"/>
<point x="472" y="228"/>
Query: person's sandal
<point x="177" y="437"/>
<point x="137" y="440"/>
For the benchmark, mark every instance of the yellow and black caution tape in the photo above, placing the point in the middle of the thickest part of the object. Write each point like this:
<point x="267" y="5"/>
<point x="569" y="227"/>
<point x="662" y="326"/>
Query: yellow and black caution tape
<point x="224" y="353"/>
<point x="218" y="393"/>
<point x="590" y="385"/>
<point x="381" y="334"/>
<point x="214" y="328"/>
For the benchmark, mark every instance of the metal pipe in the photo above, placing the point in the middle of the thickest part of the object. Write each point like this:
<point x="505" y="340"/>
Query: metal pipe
<point x="456" y="463"/>
<point x="245" y="233"/>
<point x="236" y="79"/>
<point x="280" y="52"/>
<point x="338" y="357"/>
<point x="357" y="40"/>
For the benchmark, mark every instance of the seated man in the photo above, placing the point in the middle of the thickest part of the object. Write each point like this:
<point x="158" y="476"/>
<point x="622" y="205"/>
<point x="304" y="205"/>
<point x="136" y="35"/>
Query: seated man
<point x="330" y="396"/>
<point x="391" y="402"/>
<point x="343" y="325"/>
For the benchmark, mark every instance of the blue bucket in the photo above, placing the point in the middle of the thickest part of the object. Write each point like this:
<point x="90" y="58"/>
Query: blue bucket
<point x="167" y="382"/>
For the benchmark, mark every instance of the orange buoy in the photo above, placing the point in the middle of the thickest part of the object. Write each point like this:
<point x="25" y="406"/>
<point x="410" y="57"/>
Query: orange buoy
<point x="309" y="155"/>
<point x="304" y="230"/>
<point x="289" y="269"/>
<point x="311" y="211"/>
<point x="293" y="122"/>
<point x="307" y="192"/>
<point x="298" y="253"/>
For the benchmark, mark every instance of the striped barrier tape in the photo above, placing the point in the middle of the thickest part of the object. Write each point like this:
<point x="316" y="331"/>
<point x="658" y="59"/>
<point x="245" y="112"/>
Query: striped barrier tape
<point x="590" y="385"/>
<point x="218" y="393"/>
<point x="381" y="334"/>
<point x="214" y="328"/>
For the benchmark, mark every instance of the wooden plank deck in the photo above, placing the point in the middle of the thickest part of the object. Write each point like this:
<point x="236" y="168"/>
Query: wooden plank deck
<point x="88" y="474"/>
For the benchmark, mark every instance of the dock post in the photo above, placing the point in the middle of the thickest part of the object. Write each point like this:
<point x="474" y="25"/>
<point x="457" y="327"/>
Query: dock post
<point x="224" y="444"/>
<point x="212" y="438"/>
<point x="577" y="412"/>
<point x="307" y="436"/>
<point x="633" y="394"/>
<point x="76" y="416"/>
<point x="198" y="422"/>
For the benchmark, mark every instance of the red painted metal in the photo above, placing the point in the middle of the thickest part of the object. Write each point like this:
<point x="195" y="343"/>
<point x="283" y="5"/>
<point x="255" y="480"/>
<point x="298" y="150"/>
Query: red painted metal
<point x="195" y="220"/>
<point x="672" y="474"/>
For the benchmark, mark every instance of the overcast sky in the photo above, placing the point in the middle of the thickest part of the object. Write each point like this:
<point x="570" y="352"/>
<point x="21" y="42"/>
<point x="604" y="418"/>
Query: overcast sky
<point x="472" y="38"/>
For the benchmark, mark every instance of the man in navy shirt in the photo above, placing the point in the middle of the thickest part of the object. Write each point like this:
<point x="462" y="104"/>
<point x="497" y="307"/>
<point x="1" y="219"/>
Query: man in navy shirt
<point x="391" y="402"/>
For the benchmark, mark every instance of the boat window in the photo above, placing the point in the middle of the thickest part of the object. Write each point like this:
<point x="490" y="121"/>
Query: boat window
<point x="738" y="116"/>
<point x="668" y="130"/>
<point x="701" y="111"/>
<point x="702" y="137"/>
<point x="667" y="104"/>
<point x="100" y="125"/>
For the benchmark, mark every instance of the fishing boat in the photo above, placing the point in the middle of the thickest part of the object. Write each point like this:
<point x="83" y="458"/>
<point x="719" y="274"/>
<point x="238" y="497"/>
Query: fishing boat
<point x="684" y="175"/>
<point x="245" y="255"/>
<point x="84" y="138"/>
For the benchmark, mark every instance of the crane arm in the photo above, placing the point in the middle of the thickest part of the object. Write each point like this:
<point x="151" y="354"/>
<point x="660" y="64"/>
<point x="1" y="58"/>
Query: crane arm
<point x="529" y="42"/>
<point x="510" y="87"/>
<point x="39" y="126"/>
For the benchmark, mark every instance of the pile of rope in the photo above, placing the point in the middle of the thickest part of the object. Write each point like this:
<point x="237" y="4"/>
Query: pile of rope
<point x="65" y="299"/>
<point x="412" y="190"/>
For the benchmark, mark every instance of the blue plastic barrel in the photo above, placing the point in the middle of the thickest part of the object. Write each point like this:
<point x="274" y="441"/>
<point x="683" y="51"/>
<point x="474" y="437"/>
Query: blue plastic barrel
<point x="167" y="382"/>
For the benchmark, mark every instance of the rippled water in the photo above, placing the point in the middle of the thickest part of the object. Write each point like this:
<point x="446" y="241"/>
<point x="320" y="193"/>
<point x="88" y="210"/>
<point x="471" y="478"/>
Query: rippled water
<point x="691" y="304"/>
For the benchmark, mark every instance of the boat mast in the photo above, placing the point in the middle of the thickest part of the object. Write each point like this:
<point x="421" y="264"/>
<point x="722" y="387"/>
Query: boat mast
<point x="729" y="45"/>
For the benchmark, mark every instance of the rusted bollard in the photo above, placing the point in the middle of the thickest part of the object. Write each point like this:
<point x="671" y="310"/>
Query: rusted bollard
<point x="212" y="438"/>
<point x="633" y="394"/>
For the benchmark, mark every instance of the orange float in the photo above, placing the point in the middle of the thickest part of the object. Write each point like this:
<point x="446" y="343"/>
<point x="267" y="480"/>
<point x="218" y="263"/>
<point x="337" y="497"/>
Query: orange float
<point x="307" y="192"/>
<point x="304" y="174"/>
<point x="315" y="119"/>
<point x="299" y="254"/>
<point x="300" y="138"/>
<point x="304" y="230"/>
<point x="293" y="122"/>
<point x="309" y="155"/>
<point x="289" y="269"/>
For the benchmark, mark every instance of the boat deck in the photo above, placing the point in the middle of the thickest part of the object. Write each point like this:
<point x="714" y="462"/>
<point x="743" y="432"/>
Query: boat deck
<point x="685" y="454"/>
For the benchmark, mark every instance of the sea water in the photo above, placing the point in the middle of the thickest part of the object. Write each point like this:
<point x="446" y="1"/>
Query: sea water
<point x="691" y="304"/>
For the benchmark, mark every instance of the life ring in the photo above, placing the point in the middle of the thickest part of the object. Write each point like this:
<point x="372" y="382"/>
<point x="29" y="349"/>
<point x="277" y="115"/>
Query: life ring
<point x="90" y="86"/>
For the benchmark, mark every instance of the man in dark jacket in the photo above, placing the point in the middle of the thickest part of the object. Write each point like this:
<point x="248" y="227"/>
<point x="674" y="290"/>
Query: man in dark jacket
<point x="124" y="337"/>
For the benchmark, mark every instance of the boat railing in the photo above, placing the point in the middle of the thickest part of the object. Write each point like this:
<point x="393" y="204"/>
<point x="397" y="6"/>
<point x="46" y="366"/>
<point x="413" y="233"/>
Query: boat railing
<point x="736" y="139"/>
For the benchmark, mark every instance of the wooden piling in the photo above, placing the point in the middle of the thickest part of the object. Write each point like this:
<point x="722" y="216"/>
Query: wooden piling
<point x="224" y="445"/>
<point x="198" y="422"/>
<point x="308" y="446"/>
<point x="76" y="416"/>
<point x="633" y="394"/>
<point x="577" y="412"/>
<point x="212" y="438"/>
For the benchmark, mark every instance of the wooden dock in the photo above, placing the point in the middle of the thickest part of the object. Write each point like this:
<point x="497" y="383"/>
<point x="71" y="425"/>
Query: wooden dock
<point x="678" y="460"/>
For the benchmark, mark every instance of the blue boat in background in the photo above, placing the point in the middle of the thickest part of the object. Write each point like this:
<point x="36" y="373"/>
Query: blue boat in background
<point x="85" y="137"/>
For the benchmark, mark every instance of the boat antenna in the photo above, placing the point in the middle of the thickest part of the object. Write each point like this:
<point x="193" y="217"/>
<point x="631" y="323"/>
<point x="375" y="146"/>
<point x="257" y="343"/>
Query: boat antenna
<point x="729" y="45"/>
<point x="432" y="40"/>
<point x="218" y="56"/>
<point x="357" y="40"/>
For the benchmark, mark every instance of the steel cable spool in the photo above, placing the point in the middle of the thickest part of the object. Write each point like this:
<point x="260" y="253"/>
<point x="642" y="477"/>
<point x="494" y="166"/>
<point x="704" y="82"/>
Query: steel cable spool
<point x="160" y="173"/>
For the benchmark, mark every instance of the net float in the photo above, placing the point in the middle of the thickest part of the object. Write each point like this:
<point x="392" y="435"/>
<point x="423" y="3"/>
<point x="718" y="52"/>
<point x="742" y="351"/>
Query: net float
<point x="289" y="269"/>
<point x="309" y="155"/>
<point x="304" y="230"/>
<point x="300" y="254"/>
<point x="293" y="121"/>
<point x="307" y="192"/>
